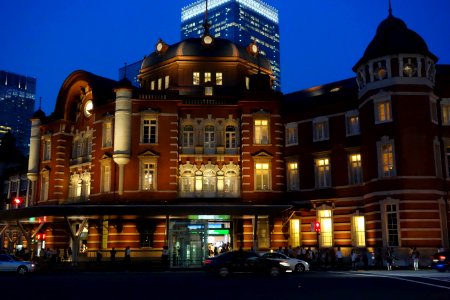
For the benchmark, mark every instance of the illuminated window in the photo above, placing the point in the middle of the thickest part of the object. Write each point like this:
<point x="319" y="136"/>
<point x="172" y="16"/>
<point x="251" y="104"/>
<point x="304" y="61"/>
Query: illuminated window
<point x="209" y="137"/>
<point x="196" y="78"/>
<point x="47" y="155"/>
<point x="294" y="232"/>
<point x="219" y="78"/>
<point x="358" y="231"/>
<point x="209" y="181"/>
<point x="166" y="82"/>
<point x="159" y="84"/>
<point x="383" y="111"/>
<point x="291" y="134"/>
<point x="209" y="91"/>
<point x="207" y="77"/>
<point x="263" y="233"/>
<point x="149" y="131"/>
<point x="261" y="127"/>
<point x="152" y="85"/>
<point x="355" y="168"/>
<point x="44" y="186"/>
<point x="188" y="136"/>
<point x="326" y="227"/>
<point x="247" y="83"/>
<point x="352" y="123"/>
<point x="323" y="173"/>
<point x="262" y="177"/>
<point x="148" y="176"/>
<point x="386" y="157"/>
<point x="106" y="177"/>
<point x="445" y="108"/>
<point x="230" y="137"/>
<point x="187" y="182"/>
<point x="231" y="181"/>
<point x="320" y="129"/>
<point x="293" y="176"/>
<point x="107" y="133"/>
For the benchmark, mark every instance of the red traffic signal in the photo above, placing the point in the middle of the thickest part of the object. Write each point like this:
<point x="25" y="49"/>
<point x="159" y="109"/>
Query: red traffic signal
<point x="317" y="226"/>
<point x="17" y="201"/>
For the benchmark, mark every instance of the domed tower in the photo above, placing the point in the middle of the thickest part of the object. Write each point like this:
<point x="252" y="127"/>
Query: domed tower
<point x="35" y="144"/>
<point x="396" y="79"/>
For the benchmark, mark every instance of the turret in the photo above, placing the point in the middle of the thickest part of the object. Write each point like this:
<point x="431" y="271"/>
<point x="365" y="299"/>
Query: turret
<point x="35" y="143"/>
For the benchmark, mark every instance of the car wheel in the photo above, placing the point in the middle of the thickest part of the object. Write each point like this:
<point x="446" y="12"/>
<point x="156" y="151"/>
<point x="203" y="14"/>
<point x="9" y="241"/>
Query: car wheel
<point x="22" y="270"/>
<point x="224" y="272"/>
<point x="275" y="272"/>
<point x="299" y="268"/>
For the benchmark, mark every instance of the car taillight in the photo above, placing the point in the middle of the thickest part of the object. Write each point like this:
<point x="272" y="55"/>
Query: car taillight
<point x="441" y="257"/>
<point x="207" y="261"/>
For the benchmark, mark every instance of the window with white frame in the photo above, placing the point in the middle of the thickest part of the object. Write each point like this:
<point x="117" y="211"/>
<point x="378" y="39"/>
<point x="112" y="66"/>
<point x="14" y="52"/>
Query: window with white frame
<point x="45" y="180"/>
<point x="445" y="111"/>
<point x="106" y="177"/>
<point x="47" y="152"/>
<point x="187" y="182"/>
<point x="107" y="133"/>
<point x="291" y="134"/>
<point x="188" y="136"/>
<point x="209" y="181"/>
<point x="262" y="176"/>
<point x="320" y="129"/>
<point x="392" y="224"/>
<point x="196" y="78"/>
<point x="295" y="232"/>
<point x="383" y="111"/>
<point x="358" y="231"/>
<point x="148" y="175"/>
<point x="219" y="78"/>
<point x="386" y="159"/>
<point x="293" y="176"/>
<point x="326" y="227"/>
<point x="352" y="123"/>
<point x="323" y="172"/>
<point x="355" y="168"/>
<point x="231" y="183"/>
<point x="149" y="131"/>
<point x="261" y="129"/>
<point x="230" y="137"/>
<point x="209" y="137"/>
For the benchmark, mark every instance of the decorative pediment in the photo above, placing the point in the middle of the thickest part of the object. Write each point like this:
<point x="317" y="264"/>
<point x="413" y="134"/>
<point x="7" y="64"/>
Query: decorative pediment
<point x="262" y="155"/>
<point x="148" y="154"/>
<point x="45" y="169"/>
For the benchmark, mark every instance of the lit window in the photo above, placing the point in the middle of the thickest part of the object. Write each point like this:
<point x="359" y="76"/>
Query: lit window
<point x="445" y="108"/>
<point x="386" y="157"/>
<point x="320" y="129"/>
<point x="106" y="178"/>
<point x="262" y="177"/>
<point x="247" y="83"/>
<point x="294" y="232"/>
<point x="107" y="134"/>
<point x="219" y="78"/>
<point x="358" y="231"/>
<point x="323" y="173"/>
<point x="293" y="177"/>
<point x="159" y="84"/>
<point x="166" y="82"/>
<point x="326" y="227"/>
<point x="209" y="137"/>
<point x="383" y="111"/>
<point x="207" y="77"/>
<point x="148" y="176"/>
<point x="352" y="123"/>
<point x="196" y="78"/>
<point x="208" y="90"/>
<point x="291" y="134"/>
<point x="44" y="186"/>
<point x="209" y="181"/>
<point x="152" y="85"/>
<point x="355" y="168"/>
<point x="149" y="131"/>
<point x="230" y="137"/>
<point x="261" y="132"/>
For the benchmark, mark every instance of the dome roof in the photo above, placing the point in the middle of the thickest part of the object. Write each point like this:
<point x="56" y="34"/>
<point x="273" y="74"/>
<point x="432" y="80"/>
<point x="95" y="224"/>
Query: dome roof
<point x="39" y="114"/>
<point x="394" y="37"/>
<point x="194" y="47"/>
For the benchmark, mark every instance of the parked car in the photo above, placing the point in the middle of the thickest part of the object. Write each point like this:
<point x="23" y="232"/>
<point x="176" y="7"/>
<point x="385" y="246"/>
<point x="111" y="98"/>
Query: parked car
<point x="9" y="263"/>
<point x="240" y="261"/>
<point x="296" y="265"/>
<point x="441" y="261"/>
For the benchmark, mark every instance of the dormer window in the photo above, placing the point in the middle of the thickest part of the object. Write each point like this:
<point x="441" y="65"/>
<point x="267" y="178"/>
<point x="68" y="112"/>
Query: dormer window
<point x="196" y="78"/>
<point x="219" y="78"/>
<point x="409" y="67"/>
<point x="380" y="70"/>
<point x="207" y="77"/>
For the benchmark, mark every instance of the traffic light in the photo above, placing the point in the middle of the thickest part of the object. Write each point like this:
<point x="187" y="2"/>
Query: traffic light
<point x="317" y="226"/>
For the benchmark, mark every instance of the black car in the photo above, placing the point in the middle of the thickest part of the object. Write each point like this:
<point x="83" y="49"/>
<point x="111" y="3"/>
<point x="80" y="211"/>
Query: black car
<point x="441" y="261"/>
<point x="240" y="261"/>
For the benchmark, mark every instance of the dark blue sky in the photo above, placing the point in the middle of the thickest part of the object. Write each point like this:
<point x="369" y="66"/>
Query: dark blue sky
<point x="320" y="40"/>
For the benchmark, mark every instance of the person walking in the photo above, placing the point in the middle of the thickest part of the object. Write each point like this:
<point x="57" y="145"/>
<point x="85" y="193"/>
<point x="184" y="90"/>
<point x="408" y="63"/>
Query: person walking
<point x="112" y="254"/>
<point x="127" y="253"/>
<point x="339" y="258"/>
<point x="415" y="255"/>
<point x="389" y="259"/>
<point x="354" y="258"/>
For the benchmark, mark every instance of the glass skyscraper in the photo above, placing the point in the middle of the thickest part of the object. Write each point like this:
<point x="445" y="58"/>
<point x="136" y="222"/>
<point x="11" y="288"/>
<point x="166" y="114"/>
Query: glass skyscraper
<point x="17" y="97"/>
<point x="240" y="21"/>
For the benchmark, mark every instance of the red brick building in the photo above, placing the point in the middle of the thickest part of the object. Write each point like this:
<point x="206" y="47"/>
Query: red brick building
<point x="206" y="154"/>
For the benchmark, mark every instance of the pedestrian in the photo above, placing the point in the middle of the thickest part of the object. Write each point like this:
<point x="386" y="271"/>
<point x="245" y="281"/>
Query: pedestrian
<point x="339" y="258"/>
<point x="127" y="253"/>
<point x="389" y="259"/>
<point x="112" y="254"/>
<point x="354" y="258"/>
<point x="415" y="255"/>
<point x="165" y="257"/>
<point x="99" y="255"/>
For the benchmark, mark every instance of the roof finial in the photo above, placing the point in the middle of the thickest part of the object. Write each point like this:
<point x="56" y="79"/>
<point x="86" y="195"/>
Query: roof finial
<point x="390" y="9"/>
<point x="40" y="102"/>
<point x="125" y="70"/>
<point x="206" y="24"/>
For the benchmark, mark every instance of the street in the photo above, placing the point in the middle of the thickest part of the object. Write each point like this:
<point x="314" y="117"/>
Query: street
<point x="425" y="284"/>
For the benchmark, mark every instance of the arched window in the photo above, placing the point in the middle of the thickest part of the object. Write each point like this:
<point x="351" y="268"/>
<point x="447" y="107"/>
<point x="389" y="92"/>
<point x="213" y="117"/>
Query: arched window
<point x="188" y="136"/>
<point x="209" y="136"/>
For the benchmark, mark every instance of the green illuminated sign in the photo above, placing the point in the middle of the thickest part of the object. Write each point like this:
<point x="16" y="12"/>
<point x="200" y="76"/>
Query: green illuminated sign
<point x="209" y="217"/>
<point x="218" y="231"/>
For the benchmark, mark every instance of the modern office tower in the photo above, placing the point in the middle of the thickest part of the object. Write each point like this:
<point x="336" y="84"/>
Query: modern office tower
<point x="241" y="21"/>
<point x="17" y="96"/>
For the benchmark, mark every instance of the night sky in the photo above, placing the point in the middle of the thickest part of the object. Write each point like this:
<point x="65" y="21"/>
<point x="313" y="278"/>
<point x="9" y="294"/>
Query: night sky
<point x="320" y="40"/>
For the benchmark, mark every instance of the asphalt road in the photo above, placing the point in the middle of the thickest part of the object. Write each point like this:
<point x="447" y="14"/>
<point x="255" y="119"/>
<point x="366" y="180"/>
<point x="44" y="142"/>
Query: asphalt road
<point x="188" y="285"/>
